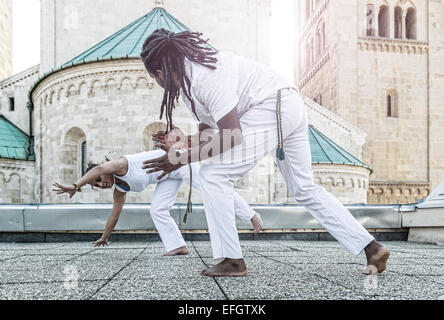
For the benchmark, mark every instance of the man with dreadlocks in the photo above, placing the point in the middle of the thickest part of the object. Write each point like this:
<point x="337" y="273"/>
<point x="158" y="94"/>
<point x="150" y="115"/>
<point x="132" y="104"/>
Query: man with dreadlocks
<point x="255" y="112"/>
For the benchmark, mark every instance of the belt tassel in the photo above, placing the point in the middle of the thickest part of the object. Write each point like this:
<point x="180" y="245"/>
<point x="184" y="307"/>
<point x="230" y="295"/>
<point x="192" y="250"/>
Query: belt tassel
<point x="280" y="154"/>
<point x="189" y="204"/>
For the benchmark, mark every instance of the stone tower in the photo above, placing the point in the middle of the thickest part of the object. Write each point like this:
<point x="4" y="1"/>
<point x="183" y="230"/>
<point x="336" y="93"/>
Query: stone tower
<point x="380" y="65"/>
<point x="5" y="38"/>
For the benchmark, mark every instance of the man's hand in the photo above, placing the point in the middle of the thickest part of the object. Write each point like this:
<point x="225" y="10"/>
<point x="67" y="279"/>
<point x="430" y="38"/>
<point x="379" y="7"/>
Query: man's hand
<point x="174" y="139"/>
<point x="100" y="243"/>
<point x="61" y="189"/>
<point x="161" y="164"/>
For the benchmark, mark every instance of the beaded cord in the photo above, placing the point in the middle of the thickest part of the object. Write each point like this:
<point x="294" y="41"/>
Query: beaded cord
<point x="189" y="204"/>
<point x="280" y="154"/>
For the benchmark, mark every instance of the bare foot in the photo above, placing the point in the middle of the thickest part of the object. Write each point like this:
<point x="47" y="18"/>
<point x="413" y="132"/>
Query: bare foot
<point x="257" y="223"/>
<point x="178" y="252"/>
<point x="377" y="256"/>
<point x="227" y="268"/>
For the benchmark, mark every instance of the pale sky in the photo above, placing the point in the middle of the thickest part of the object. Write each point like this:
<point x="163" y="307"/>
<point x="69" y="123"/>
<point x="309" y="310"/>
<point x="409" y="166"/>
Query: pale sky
<point x="26" y="36"/>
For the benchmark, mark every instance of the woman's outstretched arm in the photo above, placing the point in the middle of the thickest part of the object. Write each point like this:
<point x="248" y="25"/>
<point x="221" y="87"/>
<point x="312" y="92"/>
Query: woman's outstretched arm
<point x="119" y="201"/>
<point x="118" y="167"/>
<point x="112" y="167"/>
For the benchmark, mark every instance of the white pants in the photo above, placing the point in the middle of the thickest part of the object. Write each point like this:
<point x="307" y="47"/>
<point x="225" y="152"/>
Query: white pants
<point x="259" y="129"/>
<point x="164" y="198"/>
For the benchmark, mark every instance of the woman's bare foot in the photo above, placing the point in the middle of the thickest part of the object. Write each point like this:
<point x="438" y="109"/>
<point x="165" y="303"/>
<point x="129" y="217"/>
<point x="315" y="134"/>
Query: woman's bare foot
<point x="377" y="256"/>
<point x="227" y="268"/>
<point x="257" y="223"/>
<point x="178" y="252"/>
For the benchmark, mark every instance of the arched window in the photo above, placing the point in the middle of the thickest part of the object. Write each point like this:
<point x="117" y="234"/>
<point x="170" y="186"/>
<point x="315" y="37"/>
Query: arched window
<point x="74" y="155"/>
<point x="318" y="99"/>
<point x="323" y="46"/>
<point x="311" y="51"/>
<point x="410" y="24"/>
<point x="383" y="22"/>
<point x="318" y="43"/>
<point x="320" y="39"/>
<point x="307" y="9"/>
<point x="398" y="23"/>
<point x="153" y="128"/>
<point x="370" y="20"/>
<point x="307" y="56"/>
<point x="392" y="104"/>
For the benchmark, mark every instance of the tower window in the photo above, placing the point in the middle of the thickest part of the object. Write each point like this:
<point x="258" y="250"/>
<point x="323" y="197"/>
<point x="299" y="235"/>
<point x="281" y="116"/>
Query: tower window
<point x="389" y="106"/>
<point x="398" y="23"/>
<point x="410" y="24"/>
<point x="318" y="99"/>
<point x="370" y="20"/>
<point x="392" y="104"/>
<point x="383" y="22"/>
<point x="307" y="9"/>
<point x="11" y="104"/>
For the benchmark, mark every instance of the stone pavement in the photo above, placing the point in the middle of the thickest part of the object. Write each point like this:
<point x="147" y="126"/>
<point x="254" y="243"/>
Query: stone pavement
<point x="277" y="270"/>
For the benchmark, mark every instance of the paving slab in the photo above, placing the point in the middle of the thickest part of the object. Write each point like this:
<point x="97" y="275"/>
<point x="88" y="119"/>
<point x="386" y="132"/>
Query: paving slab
<point x="287" y="269"/>
<point x="49" y="291"/>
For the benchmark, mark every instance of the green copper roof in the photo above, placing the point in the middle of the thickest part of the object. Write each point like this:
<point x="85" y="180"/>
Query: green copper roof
<point x="128" y="42"/>
<point x="124" y="44"/>
<point x="325" y="151"/>
<point x="14" y="143"/>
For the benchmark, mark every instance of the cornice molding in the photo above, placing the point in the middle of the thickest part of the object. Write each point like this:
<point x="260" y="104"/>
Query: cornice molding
<point x="393" y="45"/>
<point x="70" y="81"/>
<point x="308" y="75"/>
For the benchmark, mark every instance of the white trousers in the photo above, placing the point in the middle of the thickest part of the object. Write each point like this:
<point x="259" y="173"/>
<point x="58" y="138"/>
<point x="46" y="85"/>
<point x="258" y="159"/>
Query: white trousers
<point x="259" y="126"/>
<point x="165" y="196"/>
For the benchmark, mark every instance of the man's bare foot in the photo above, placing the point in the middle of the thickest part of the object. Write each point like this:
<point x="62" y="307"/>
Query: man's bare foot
<point x="178" y="252"/>
<point x="377" y="256"/>
<point x="227" y="268"/>
<point x="257" y="223"/>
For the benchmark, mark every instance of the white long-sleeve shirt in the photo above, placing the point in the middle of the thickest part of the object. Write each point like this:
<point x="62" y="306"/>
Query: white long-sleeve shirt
<point x="237" y="82"/>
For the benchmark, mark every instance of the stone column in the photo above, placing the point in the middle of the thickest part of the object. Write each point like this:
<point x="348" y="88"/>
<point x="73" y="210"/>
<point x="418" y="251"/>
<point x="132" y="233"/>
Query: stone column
<point x="377" y="21"/>
<point x="391" y="22"/>
<point x="403" y="31"/>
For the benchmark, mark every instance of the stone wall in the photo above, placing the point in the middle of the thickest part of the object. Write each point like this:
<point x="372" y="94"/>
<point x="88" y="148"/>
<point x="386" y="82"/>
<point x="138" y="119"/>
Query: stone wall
<point x="17" y="181"/>
<point x="397" y="192"/>
<point x="71" y="27"/>
<point x="113" y="106"/>
<point x="436" y="91"/>
<point x="358" y="74"/>
<point x="5" y="38"/>
<point x="349" y="184"/>
<point x="17" y="87"/>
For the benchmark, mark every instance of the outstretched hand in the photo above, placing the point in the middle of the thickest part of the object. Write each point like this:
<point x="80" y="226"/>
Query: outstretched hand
<point x="61" y="189"/>
<point x="100" y="243"/>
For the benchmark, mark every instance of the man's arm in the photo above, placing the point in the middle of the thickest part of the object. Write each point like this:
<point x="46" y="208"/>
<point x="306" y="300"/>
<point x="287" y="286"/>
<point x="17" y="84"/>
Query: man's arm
<point x="216" y="142"/>
<point x="119" y="201"/>
<point x="229" y="136"/>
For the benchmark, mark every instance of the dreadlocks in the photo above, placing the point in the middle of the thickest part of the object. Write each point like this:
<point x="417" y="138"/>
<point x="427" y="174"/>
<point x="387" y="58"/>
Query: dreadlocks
<point x="165" y="50"/>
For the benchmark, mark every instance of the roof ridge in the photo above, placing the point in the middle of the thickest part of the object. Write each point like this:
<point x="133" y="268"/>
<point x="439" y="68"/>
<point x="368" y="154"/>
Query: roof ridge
<point x="351" y="159"/>
<point x="14" y="142"/>
<point x="12" y="123"/>
<point x="117" y="33"/>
